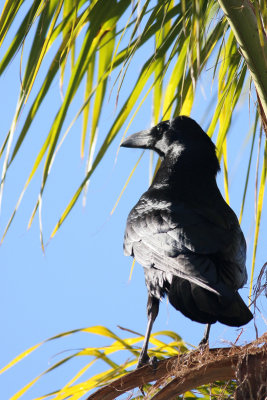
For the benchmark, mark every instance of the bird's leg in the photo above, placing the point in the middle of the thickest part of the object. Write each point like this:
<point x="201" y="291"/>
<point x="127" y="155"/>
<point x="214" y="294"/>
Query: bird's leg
<point x="205" y="340"/>
<point x="152" y="312"/>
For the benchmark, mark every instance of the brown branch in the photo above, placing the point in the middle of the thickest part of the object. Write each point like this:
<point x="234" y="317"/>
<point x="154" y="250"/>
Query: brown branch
<point x="252" y="376"/>
<point x="222" y="369"/>
<point x="134" y="379"/>
<point x="186" y="372"/>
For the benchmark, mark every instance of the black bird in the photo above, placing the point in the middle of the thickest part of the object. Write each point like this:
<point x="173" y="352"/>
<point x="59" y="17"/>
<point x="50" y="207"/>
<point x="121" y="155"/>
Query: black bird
<point x="184" y="234"/>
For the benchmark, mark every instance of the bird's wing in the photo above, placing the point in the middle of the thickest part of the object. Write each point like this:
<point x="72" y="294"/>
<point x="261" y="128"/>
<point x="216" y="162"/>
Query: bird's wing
<point x="184" y="240"/>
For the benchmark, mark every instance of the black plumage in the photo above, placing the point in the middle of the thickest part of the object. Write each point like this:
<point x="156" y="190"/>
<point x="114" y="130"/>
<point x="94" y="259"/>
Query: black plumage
<point x="184" y="234"/>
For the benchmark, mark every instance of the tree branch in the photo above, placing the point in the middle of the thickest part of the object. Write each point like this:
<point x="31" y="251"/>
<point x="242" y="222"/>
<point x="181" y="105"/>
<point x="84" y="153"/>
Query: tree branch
<point x="187" y="371"/>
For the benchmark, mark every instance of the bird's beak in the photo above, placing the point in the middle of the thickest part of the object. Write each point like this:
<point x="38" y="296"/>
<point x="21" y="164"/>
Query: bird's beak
<point x="141" y="140"/>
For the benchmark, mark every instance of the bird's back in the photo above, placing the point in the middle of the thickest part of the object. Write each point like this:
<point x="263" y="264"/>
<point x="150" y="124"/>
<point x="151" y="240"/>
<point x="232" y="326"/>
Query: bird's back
<point x="191" y="247"/>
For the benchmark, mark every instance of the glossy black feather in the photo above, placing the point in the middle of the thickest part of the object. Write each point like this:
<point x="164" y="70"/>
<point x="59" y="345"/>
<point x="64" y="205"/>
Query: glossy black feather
<point x="183" y="232"/>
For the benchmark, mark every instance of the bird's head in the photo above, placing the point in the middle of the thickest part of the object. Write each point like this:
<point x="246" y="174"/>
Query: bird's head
<point x="181" y="135"/>
<point x="181" y="131"/>
<point x="155" y="138"/>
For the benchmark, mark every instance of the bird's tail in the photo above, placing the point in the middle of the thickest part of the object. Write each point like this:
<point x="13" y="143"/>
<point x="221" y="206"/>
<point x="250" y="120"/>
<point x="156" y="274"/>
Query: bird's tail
<point x="236" y="313"/>
<point x="204" y="306"/>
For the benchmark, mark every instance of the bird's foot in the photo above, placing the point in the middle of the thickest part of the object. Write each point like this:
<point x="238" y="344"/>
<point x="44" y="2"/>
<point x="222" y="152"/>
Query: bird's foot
<point x="203" y="345"/>
<point x="153" y="361"/>
<point x="144" y="359"/>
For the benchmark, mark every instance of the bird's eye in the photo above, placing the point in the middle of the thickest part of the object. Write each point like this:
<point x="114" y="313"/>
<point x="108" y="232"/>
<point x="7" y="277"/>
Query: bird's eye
<point x="162" y="127"/>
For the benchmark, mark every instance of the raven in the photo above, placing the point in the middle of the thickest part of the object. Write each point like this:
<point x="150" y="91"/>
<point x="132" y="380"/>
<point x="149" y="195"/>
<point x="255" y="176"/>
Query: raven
<point x="184" y="234"/>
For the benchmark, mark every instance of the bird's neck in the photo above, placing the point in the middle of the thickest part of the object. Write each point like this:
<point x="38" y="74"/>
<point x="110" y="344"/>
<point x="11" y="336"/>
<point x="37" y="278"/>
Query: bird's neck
<point x="186" y="172"/>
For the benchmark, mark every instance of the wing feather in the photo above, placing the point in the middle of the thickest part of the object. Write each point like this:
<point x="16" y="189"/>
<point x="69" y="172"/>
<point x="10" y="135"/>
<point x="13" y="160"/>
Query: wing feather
<point x="188" y="241"/>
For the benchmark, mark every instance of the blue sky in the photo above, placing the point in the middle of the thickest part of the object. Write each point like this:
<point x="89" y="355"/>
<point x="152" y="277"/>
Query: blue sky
<point x="83" y="277"/>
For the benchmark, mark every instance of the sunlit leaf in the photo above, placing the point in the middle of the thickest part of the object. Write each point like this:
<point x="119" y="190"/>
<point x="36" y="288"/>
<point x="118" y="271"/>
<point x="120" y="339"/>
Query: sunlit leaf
<point x="249" y="166"/>
<point x="258" y="215"/>
<point x="126" y="183"/>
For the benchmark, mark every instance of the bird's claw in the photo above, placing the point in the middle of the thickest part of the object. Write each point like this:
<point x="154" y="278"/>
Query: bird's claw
<point x="153" y="361"/>
<point x="143" y="360"/>
<point x="203" y="345"/>
<point x="146" y="360"/>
